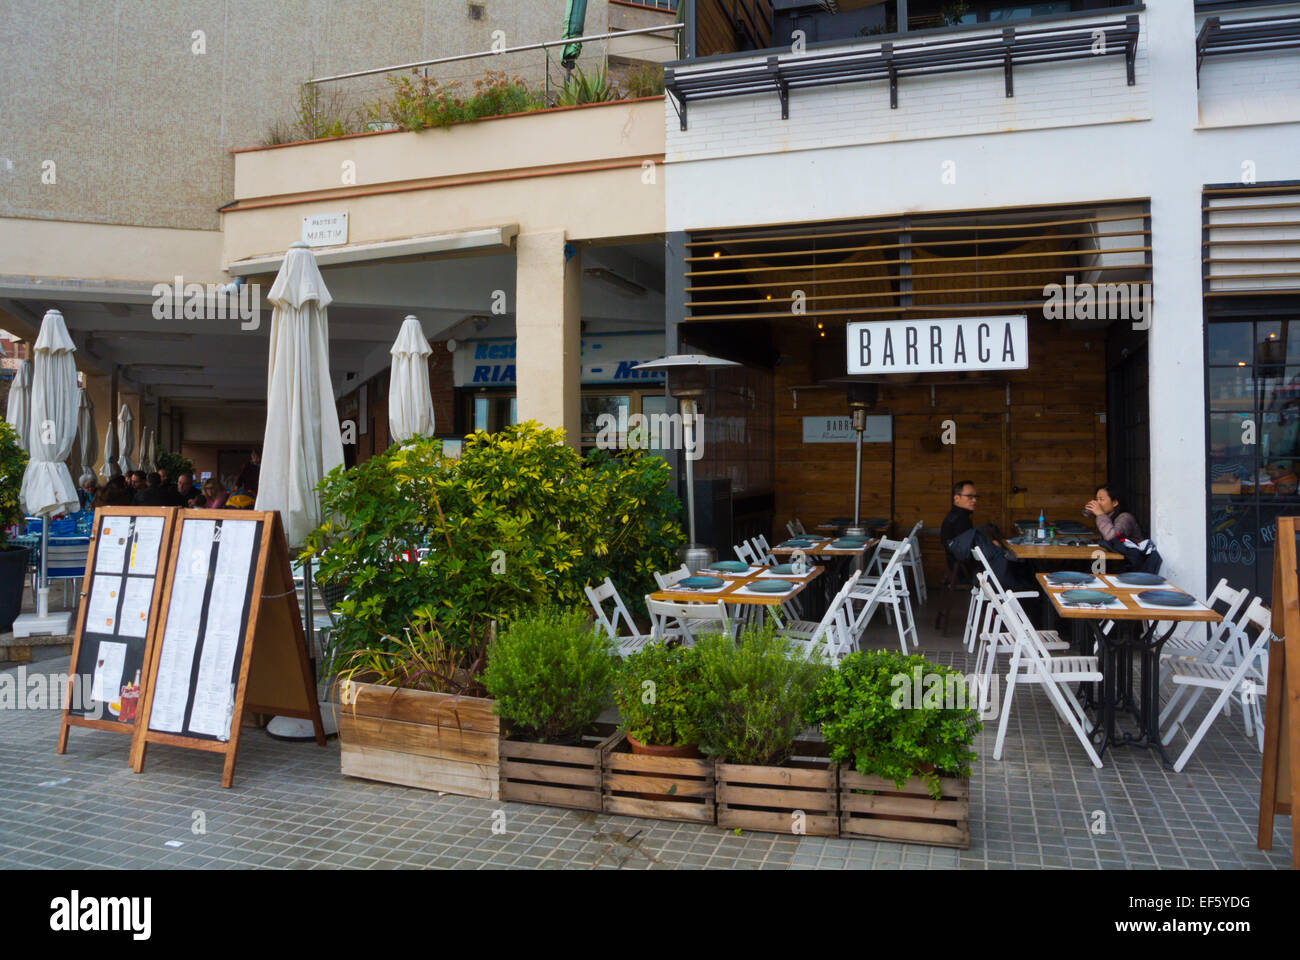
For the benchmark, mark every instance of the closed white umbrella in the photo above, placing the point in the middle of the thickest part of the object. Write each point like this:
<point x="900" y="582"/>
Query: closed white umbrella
<point x="47" y="486"/>
<point x="410" y="404"/>
<point x="146" y="451"/>
<point x="302" y="441"/>
<point x="110" y="468"/>
<point x="86" y="437"/>
<point x="19" y="406"/>
<point x="126" y="438"/>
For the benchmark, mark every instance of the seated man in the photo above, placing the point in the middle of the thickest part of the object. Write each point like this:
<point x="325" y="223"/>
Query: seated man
<point x="958" y="520"/>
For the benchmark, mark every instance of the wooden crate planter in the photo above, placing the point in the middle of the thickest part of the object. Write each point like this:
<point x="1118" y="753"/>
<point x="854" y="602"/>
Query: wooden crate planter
<point x="554" y="775"/>
<point x="435" y="741"/>
<point x="909" y="814"/>
<point x="661" y="788"/>
<point x="769" y="798"/>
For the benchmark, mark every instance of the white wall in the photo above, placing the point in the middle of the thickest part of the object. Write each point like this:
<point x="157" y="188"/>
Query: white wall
<point x="1161" y="151"/>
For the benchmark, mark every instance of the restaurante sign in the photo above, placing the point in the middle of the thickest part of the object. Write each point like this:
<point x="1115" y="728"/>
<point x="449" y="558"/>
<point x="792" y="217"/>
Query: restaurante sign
<point x="946" y="344"/>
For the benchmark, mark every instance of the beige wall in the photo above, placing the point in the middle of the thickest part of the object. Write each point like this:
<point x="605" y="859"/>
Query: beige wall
<point x="139" y="125"/>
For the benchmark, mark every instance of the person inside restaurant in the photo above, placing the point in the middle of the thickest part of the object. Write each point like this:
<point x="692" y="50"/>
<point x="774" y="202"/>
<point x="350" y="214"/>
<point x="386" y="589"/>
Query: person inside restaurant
<point x="1113" y="522"/>
<point x="214" y="495"/>
<point x="958" y="520"/>
<point x="87" y="492"/>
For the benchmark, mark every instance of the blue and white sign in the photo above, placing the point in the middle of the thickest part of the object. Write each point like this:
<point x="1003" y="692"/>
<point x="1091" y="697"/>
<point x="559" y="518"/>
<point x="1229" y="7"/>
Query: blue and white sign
<point x="605" y="359"/>
<point x="880" y="429"/>
<point x="941" y="345"/>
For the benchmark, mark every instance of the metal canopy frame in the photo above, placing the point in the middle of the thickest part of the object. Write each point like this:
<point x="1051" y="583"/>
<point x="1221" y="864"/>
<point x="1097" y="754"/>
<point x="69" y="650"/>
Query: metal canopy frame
<point x="1256" y="35"/>
<point x="890" y="61"/>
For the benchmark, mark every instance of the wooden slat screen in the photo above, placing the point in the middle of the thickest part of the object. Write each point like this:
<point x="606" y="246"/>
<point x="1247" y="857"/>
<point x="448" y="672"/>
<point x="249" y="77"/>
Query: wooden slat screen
<point x="887" y="269"/>
<point x="1250" y="239"/>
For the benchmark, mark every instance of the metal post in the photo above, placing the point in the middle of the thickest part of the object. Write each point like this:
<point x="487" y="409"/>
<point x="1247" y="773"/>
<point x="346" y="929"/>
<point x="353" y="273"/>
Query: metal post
<point x="857" y="484"/>
<point x="688" y="433"/>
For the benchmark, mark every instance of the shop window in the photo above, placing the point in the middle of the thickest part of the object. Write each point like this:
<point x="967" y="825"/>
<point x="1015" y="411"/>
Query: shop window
<point x="1253" y="394"/>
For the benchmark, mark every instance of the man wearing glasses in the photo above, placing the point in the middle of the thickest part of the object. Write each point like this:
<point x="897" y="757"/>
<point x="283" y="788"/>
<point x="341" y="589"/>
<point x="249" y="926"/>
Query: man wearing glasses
<point x="958" y="520"/>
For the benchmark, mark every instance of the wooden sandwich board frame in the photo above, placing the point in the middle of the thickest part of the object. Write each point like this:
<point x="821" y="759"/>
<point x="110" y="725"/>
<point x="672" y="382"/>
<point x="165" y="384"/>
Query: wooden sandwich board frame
<point x="79" y="641"/>
<point x="1280" y="782"/>
<point x="273" y="674"/>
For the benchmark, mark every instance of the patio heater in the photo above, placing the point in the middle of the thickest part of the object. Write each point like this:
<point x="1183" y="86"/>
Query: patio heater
<point x="688" y="380"/>
<point x="862" y="397"/>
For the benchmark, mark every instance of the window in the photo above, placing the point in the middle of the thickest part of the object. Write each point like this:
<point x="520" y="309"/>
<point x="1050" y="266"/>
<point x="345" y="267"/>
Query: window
<point x="1253" y="397"/>
<point x="476" y="11"/>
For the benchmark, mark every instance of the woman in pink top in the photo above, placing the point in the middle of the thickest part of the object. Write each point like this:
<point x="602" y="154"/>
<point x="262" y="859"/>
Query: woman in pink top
<point x="1112" y="522"/>
<point x="214" y="494"/>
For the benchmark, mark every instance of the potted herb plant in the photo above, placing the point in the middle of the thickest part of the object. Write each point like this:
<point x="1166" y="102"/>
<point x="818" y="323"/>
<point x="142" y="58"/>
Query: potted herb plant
<point x="753" y="695"/>
<point x="654" y="769"/>
<point x="552" y="675"/>
<point x="902" y="727"/>
<point x="13" y="559"/>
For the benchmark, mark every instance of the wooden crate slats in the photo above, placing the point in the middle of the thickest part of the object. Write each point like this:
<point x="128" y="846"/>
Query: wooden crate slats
<point x="419" y="738"/>
<point x="419" y="706"/>
<point x="412" y="770"/>
<point x="781" y="799"/>
<point x="555" y="775"/>
<point x="944" y="822"/>
<point x="661" y="788"/>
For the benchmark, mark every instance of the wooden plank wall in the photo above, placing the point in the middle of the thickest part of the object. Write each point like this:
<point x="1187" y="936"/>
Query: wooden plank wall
<point x="1053" y="444"/>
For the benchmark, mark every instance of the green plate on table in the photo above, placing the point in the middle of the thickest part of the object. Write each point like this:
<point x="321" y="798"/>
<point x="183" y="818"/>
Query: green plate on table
<point x="1068" y="576"/>
<point x="729" y="566"/>
<point x="795" y="544"/>
<point x="1167" y="598"/>
<point x="847" y="544"/>
<point x="1140" y="579"/>
<point x="1085" y="596"/>
<point x="789" y="570"/>
<point x="771" y="586"/>
<point x="702" y="583"/>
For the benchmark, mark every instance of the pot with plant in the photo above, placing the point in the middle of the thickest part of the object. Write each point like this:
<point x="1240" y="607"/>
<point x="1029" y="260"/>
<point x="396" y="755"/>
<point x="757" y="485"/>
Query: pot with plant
<point x="753" y="695"/>
<point x="902" y="729"/>
<point x="13" y="559"/>
<point x="412" y="711"/>
<point x="654" y="769"/>
<point x="552" y="676"/>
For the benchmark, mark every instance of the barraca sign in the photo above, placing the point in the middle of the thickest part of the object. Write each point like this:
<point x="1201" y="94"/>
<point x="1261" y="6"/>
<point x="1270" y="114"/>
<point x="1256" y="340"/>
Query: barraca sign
<point x="607" y="359"/>
<point x="941" y="345"/>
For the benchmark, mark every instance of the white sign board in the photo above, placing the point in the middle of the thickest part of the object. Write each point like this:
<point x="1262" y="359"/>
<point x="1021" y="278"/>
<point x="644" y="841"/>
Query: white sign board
<point x="325" y="229"/>
<point x="947" y="344"/>
<point x="880" y="429"/>
<point x="606" y="358"/>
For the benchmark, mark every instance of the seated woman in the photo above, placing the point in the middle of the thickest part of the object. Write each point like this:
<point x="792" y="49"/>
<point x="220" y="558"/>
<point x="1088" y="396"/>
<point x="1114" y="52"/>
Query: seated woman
<point x="1112" y="522"/>
<point x="214" y="495"/>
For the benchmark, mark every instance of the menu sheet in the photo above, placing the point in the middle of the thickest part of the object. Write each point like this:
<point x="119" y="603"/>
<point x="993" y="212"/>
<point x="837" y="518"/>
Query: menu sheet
<point x="181" y="636"/>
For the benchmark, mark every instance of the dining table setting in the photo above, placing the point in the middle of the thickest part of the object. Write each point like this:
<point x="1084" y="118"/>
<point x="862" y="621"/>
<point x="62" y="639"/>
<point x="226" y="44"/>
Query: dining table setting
<point x="1142" y="610"/>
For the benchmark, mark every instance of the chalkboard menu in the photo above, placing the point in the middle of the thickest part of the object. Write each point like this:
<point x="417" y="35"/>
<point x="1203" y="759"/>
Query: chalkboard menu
<point x="125" y="568"/>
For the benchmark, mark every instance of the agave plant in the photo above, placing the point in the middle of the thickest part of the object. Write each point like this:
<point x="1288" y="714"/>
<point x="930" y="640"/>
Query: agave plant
<point x="581" y="88"/>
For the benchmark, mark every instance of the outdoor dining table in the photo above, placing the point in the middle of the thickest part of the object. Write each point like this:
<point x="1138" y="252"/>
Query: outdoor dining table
<point x="733" y="591"/>
<point x="844" y="561"/>
<point x="1040" y="552"/>
<point x="1137" y="626"/>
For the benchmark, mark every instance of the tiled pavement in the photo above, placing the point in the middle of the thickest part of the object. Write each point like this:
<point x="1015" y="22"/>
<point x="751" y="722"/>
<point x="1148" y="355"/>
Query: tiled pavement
<point x="291" y="808"/>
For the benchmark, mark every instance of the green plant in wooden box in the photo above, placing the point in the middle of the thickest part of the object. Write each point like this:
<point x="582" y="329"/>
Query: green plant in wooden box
<point x="13" y="463"/>
<point x="753" y="694"/>
<point x="659" y="696"/>
<point x="551" y="674"/>
<point x="896" y="717"/>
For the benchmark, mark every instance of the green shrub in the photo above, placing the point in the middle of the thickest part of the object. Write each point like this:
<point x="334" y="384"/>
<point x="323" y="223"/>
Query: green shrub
<point x="658" y="695"/>
<point x="174" y="464"/>
<point x="551" y="674"/>
<point x="867" y="718"/>
<point x="13" y="463"/>
<point x="417" y="103"/>
<point x="644" y="80"/>
<point x="519" y="520"/>
<point x="752" y="695"/>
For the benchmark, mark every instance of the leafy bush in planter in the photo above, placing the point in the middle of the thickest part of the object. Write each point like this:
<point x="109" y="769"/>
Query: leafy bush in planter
<point x="752" y="695"/>
<point x="520" y="519"/>
<point x="868" y="718"/>
<point x="13" y="462"/>
<point x="659" y="694"/>
<point x="174" y="464"/>
<point x="418" y="658"/>
<point x="551" y="674"/>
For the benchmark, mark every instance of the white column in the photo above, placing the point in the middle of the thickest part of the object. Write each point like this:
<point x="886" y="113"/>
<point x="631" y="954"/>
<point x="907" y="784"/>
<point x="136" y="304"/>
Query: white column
<point x="548" y="331"/>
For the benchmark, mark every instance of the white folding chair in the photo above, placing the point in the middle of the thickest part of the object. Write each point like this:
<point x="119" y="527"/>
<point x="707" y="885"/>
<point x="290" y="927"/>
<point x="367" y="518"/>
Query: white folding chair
<point x="795" y="527"/>
<point x="914" y="562"/>
<point x="890" y="592"/>
<point x="831" y="638"/>
<point x="1205" y="645"/>
<point x="668" y="580"/>
<point x="762" y="551"/>
<point x="617" y="619"/>
<point x="685" y="620"/>
<point x="807" y="629"/>
<point x="1032" y="664"/>
<point x="1227" y="679"/>
<point x="745" y="553"/>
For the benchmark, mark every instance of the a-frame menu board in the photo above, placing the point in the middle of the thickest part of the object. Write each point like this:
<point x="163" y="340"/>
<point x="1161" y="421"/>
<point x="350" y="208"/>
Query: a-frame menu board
<point x="230" y="638"/>
<point x="117" y="618"/>
<point x="1280" y="782"/>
